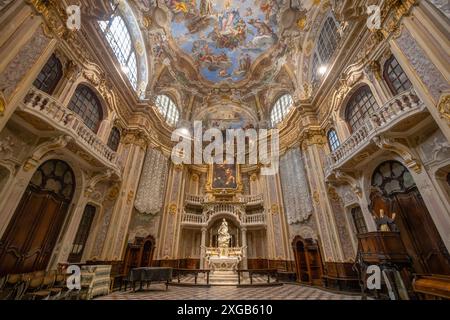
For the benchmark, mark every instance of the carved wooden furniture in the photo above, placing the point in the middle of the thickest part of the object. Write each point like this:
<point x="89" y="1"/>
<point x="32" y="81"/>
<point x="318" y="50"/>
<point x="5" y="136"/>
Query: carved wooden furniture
<point x="340" y="275"/>
<point x="387" y="251"/>
<point x="308" y="260"/>
<point x="383" y="248"/>
<point x="433" y="287"/>
<point x="139" y="254"/>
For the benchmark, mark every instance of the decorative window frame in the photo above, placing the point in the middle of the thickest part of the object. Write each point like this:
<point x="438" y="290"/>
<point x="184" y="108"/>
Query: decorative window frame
<point x="123" y="10"/>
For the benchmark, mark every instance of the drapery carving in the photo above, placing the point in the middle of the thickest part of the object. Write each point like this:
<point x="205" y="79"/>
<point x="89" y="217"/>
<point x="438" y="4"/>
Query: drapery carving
<point x="297" y="198"/>
<point x="150" y="194"/>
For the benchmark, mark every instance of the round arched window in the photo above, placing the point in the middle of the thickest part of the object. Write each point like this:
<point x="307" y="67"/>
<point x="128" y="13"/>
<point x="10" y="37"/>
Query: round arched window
<point x="281" y="109"/>
<point x="168" y="109"/>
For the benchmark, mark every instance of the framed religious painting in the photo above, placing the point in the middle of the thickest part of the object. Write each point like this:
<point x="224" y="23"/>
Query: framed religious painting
<point x="224" y="178"/>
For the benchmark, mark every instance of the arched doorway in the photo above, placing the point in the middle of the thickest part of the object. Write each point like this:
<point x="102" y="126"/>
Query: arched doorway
<point x="308" y="261"/>
<point x="31" y="235"/>
<point x="139" y="253"/>
<point x="147" y="252"/>
<point x="394" y="190"/>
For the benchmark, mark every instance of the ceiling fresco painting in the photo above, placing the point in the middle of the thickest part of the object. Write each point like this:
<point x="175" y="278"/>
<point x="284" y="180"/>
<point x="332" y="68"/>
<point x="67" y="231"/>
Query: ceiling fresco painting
<point x="224" y="37"/>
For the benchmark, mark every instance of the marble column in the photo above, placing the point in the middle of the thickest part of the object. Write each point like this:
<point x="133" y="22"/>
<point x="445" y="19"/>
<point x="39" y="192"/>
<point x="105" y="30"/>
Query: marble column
<point x="244" y="248"/>
<point x="25" y="48"/>
<point x="421" y="48"/>
<point x="132" y="156"/>
<point x="203" y="249"/>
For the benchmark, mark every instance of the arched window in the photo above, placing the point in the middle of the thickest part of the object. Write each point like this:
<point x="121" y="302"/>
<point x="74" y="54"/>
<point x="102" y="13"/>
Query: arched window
<point x="119" y="39"/>
<point x="395" y="77"/>
<point x="281" y="109"/>
<point x="82" y="235"/>
<point x="360" y="106"/>
<point x="49" y="77"/>
<point x="325" y="48"/>
<point x="333" y="140"/>
<point x="358" y="220"/>
<point x="114" y="139"/>
<point x="168" y="109"/>
<point x="86" y="104"/>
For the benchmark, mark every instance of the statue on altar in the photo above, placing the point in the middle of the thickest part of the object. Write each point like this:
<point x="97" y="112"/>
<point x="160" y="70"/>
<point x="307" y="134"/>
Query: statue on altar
<point x="223" y="235"/>
<point x="385" y="223"/>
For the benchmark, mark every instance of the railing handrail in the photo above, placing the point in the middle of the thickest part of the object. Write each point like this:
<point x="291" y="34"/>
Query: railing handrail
<point x="384" y="116"/>
<point x="68" y="121"/>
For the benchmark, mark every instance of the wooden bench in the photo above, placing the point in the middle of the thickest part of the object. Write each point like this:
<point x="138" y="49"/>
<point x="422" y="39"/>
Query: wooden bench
<point x="251" y="272"/>
<point x="434" y="287"/>
<point x="195" y="272"/>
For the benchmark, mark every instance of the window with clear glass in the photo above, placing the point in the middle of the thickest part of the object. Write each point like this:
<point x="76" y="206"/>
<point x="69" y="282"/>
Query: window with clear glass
<point x="86" y="104"/>
<point x="281" y="109"/>
<point x="120" y="41"/>
<point x="82" y="235"/>
<point x="361" y="105"/>
<point x="395" y="77"/>
<point x="358" y="220"/>
<point x="168" y="109"/>
<point x="50" y="75"/>
<point x="333" y="140"/>
<point x="114" y="139"/>
<point x="325" y="47"/>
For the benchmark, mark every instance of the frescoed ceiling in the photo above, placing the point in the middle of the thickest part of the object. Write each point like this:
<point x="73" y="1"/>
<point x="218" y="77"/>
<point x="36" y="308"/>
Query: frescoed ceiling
<point x="239" y="44"/>
<point x="224" y="37"/>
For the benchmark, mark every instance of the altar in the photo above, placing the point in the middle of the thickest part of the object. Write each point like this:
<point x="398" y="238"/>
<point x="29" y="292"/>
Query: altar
<point x="223" y="259"/>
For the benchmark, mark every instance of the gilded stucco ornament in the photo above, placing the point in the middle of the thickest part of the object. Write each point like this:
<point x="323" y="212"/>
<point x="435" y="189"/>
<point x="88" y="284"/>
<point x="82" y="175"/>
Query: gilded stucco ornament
<point x="2" y="105"/>
<point x="444" y="108"/>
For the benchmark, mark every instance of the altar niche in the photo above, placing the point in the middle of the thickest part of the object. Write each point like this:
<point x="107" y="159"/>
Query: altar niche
<point x="217" y="228"/>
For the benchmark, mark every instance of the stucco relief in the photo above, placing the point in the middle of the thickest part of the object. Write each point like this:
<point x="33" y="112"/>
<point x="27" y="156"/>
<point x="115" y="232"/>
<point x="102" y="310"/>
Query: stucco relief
<point x="297" y="198"/>
<point x="424" y="68"/>
<point x="22" y="63"/>
<point x="102" y="231"/>
<point x="150" y="194"/>
<point x="443" y="6"/>
<point x="143" y="225"/>
<point x="435" y="148"/>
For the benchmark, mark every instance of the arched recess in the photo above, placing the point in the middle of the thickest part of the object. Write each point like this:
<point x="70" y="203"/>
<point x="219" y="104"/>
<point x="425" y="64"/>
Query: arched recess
<point x="394" y="190"/>
<point x="139" y="253"/>
<point x="32" y="233"/>
<point x="308" y="260"/>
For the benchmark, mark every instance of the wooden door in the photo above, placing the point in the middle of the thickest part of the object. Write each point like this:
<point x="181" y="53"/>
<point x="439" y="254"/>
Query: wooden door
<point x="397" y="192"/>
<point x="147" y="254"/>
<point x="31" y="235"/>
<point x="302" y="267"/>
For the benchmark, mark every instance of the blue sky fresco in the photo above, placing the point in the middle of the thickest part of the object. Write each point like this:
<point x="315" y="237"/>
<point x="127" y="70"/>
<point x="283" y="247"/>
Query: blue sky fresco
<point x="224" y="37"/>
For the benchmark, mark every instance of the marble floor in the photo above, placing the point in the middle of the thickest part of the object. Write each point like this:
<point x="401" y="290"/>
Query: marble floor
<point x="283" y="292"/>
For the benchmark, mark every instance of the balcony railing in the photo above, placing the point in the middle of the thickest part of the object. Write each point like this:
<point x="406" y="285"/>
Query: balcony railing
<point x="220" y="208"/>
<point x="190" y="218"/>
<point x="255" y="219"/>
<point x="50" y="110"/>
<point x="252" y="199"/>
<point x="195" y="199"/>
<point x="400" y="107"/>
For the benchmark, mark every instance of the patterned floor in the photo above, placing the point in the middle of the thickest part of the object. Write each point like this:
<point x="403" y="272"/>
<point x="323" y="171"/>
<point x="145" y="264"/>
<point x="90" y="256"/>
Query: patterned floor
<point x="257" y="279"/>
<point x="285" y="292"/>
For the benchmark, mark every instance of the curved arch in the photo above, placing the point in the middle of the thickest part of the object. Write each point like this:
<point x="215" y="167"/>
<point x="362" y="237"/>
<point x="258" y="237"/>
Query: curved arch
<point x="124" y="36"/>
<point x="281" y="108"/>
<point x="86" y="103"/>
<point x="220" y="215"/>
<point x="168" y="109"/>
<point x="43" y="210"/>
<point x="360" y="104"/>
<point x="324" y="48"/>
<point x="50" y="75"/>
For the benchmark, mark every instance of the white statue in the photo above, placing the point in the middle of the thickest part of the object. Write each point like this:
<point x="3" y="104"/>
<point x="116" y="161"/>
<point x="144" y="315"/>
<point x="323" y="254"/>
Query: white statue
<point x="224" y="235"/>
